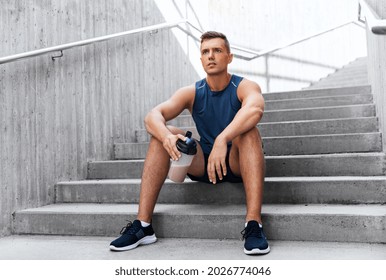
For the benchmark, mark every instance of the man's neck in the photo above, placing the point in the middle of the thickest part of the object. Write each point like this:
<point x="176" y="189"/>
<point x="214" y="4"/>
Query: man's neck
<point x="218" y="82"/>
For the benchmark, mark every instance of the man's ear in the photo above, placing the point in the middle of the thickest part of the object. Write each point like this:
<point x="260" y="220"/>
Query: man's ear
<point x="230" y="58"/>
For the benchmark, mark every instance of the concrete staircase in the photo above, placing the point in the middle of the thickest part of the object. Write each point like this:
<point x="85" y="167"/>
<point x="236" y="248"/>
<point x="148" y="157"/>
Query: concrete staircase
<point x="353" y="74"/>
<point x="325" y="179"/>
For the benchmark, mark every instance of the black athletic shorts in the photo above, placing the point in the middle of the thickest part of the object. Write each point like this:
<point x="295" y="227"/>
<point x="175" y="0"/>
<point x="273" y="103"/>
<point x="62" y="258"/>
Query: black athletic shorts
<point x="230" y="177"/>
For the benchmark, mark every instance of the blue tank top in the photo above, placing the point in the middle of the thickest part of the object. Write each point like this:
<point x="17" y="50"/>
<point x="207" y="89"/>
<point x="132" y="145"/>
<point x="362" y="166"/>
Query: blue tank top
<point x="213" y="111"/>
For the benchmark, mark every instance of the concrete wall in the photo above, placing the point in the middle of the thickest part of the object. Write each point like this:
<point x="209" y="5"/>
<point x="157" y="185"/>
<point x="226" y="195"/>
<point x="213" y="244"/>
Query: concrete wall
<point x="376" y="45"/>
<point x="57" y="115"/>
<point x="261" y="24"/>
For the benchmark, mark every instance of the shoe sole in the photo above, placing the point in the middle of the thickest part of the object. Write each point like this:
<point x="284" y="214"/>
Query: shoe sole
<point x="144" y="241"/>
<point x="257" y="251"/>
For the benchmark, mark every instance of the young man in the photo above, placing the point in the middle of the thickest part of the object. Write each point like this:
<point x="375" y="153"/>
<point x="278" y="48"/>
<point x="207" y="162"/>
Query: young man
<point x="226" y="109"/>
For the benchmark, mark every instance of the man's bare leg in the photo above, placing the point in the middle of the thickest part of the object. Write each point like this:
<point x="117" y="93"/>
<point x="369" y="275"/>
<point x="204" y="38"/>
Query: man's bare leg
<point x="153" y="176"/>
<point x="155" y="171"/>
<point x="247" y="159"/>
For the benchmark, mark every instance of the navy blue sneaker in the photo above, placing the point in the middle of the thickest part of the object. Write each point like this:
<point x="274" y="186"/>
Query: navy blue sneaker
<point x="133" y="235"/>
<point x="255" y="240"/>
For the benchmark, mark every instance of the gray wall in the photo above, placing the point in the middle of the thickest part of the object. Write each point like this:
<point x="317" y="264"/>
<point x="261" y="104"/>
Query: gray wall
<point x="58" y="115"/>
<point x="376" y="46"/>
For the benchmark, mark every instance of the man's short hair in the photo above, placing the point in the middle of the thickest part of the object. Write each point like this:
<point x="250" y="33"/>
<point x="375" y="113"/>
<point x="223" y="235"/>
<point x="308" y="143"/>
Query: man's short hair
<point x="214" y="34"/>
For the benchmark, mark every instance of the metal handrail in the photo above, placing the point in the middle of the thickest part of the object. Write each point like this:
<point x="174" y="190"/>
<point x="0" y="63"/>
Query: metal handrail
<point x="255" y="54"/>
<point x="376" y="25"/>
<point x="89" y="41"/>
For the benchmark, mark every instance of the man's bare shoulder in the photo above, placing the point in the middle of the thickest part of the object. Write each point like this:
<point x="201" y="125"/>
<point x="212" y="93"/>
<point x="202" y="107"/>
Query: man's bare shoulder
<point x="191" y="89"/>
<point x="247" y="84"/>
<point x="183" y="97"/>
<point x="248" y="87"/>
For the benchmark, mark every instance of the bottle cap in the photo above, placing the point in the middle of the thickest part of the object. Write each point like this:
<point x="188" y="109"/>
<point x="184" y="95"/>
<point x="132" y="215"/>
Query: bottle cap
<point x="189" y="146"/>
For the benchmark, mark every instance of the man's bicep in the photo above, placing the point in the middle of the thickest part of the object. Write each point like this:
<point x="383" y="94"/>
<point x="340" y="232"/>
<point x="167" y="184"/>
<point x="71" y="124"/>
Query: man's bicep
<point x="252" y="97"/>
<point x="169" y="109"/>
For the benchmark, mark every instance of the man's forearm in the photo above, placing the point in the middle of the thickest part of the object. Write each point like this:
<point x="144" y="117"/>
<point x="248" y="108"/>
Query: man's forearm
<point x="245" y="119"/>
<point x="156" y="125"/>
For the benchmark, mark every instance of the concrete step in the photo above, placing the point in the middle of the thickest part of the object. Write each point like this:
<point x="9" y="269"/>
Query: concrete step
<point x="298" y="128"/>
<point x="359" y="61"/>
<point x="353" y="111"/>
<point x="286" y="190"/>
<point x="343" y="80"/>
<point x="352" y="75"/>
<point x="317" y="102"/>
<point x="39" y="247"/>
<point x="341" y="223"/>
<point x="357" y="70"/>
<point x="319" y="127"/>
<point x="323" y="144"/>
<point x="336" y="112"/>
<point x="332" y="92"/>
<point x="352" y="164"/>
<point x="349" y="76"/>
<point x="321" y="85"/>
<point x="354" y="68"/>
<point x="287" y="145"/>
<point x="354" y="72"/>
<point x="349" y="73"/>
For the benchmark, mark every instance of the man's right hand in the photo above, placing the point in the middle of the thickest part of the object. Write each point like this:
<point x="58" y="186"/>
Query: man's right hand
<point x="170" y="145"/>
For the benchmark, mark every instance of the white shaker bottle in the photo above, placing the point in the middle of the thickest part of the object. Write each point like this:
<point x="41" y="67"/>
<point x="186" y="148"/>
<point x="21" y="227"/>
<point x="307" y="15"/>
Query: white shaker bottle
<point x="179" y="168"/>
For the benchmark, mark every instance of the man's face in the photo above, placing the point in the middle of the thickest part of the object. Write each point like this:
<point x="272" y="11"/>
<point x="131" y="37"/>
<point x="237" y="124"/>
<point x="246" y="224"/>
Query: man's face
<point x="215" y="56"/>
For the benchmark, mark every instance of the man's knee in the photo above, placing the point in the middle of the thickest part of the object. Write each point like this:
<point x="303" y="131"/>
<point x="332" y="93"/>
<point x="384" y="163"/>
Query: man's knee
<point x="251" y="137"/>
